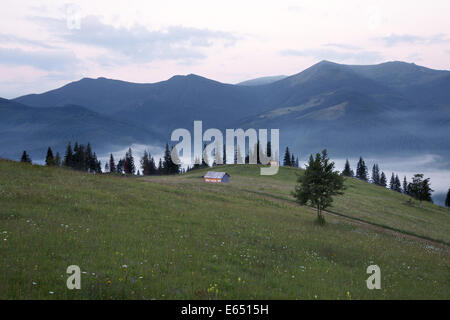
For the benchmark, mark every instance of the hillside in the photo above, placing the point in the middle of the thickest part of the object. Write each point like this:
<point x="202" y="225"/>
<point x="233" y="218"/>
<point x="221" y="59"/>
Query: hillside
<point x="179" y="238"/>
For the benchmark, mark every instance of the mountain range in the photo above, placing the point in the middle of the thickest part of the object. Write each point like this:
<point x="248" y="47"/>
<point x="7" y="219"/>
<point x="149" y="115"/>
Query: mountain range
<point x="393" y="108"/>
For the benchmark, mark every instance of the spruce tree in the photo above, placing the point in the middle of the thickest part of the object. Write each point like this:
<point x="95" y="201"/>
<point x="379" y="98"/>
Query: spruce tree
<point x="145" y="164"/>
<point x="112" y="164"/>
<point x="129" y="165"/>
<point x="405" y="186"/>
<point x="292" y="161"/>
<point x="348" y="172"/>
<point x="49" y="159"/>
<point x="361" y="170"/>
<point x="447" y="199"/>
<point x="160" y="167"/>
<point x="287" y="158"/>
<point x="25" y="157"/>
<point x="383" y="180"/>
<point x="398" y="184"/>
<point x="68" y="157"/>
<point x="120" y="166"/>
<point x="58" y="160"/>
<point x="319" y="184"/>
<point x="167" y="160"/>
<point x="420" y="188"/>
<point x="376" y="174"/>
<point x="392" y="182"/>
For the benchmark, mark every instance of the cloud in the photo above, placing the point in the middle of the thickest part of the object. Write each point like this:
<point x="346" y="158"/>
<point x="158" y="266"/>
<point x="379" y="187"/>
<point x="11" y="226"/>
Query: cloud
<point x="342" y="46"/>
<point x="138" y="44"/>
<point x="8" y="38"/>
<point x="333" y="55"/>
<point x="397" y="39"/>
<point x="49" y="60"/>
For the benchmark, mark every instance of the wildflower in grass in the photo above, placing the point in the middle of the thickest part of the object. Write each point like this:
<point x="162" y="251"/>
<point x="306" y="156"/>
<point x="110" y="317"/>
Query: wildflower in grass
<point x="51" y="292"/>
<point x="349" y="297"/>
<point x="120" y="279"/>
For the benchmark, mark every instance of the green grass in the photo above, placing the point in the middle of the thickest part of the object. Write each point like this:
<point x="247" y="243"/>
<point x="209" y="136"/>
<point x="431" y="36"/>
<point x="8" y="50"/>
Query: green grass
<point x="183" y="239"/>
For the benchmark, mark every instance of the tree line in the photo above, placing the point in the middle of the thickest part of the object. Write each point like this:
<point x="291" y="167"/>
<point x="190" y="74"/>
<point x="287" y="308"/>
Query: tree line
<point x="419" y="188"/>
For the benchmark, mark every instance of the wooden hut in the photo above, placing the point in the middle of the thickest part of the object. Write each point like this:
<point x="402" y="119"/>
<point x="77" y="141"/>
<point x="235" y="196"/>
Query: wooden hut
<point x="216" y="177"/>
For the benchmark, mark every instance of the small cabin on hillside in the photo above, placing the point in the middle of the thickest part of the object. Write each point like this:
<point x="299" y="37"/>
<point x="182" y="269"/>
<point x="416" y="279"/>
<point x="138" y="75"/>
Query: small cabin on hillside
<point x="216" y="177"/>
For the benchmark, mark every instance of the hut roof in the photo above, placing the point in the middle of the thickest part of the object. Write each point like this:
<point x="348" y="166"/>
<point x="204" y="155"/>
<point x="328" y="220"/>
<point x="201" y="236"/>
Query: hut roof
<point x="215" y="175"/>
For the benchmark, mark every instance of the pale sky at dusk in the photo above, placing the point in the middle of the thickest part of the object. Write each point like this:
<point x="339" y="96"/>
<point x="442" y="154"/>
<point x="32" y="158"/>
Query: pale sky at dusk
<point x="46" y="44"/>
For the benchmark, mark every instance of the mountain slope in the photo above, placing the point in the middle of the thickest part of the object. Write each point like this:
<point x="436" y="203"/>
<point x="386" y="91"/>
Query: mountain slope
<point x="261" y="81"/>
<point x="388" y="108"/>
<point x="35" y="129"/>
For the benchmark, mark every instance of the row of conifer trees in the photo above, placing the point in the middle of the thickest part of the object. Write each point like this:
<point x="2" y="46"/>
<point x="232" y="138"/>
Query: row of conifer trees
<point x="418" y="188"/>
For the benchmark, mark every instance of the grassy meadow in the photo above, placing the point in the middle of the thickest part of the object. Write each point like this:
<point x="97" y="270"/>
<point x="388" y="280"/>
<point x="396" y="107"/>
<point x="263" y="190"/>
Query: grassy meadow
<point x="176" y="237"/>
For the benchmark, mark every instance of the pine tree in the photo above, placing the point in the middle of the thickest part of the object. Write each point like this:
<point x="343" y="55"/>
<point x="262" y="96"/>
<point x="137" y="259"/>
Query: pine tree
<point x="107" y="167"/>
<point x="392" y="182"/>
<point x="375" y="174"/>
<point x="405" y="186"/>
<point x="319" y="184"/>
<point x="397" y="184"/>
<point x="49" y="159"/>
<point x="420" y="188"/>
<point x="129" y="166"/>
<point x="145" y="164"/>
<point x="292" y="161"/>
<point x="68" y="157"/>
<point x="287" y="158"/>
<point x="89" y="159"/>
<point x="25" y="157"/>
<point x="447" y="199"/>
<point x="112" y="164"/>
<point x="153" y="169"/>
<point x="348" y="172"/>
<point x="296" y="163"/>
<point x="160" y="167"/>
<point x="361" y="170"/>
<point x="120" y="166"/>
<point x="58" y="160"/>
<point x="383" y="180"/>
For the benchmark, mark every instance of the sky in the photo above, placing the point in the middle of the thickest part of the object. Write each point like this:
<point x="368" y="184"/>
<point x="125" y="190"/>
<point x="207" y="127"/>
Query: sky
<point x="45" y="44"/>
